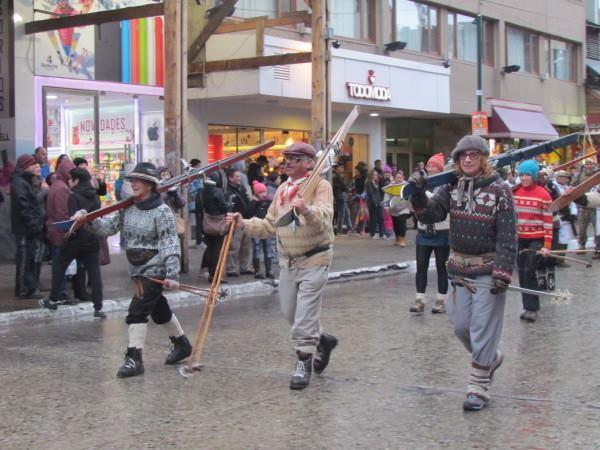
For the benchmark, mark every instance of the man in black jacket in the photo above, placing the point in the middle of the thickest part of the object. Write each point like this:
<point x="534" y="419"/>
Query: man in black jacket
<point x="83" y="245"/>
<point x="27" y="220"/>
<point x="239" y="251"/>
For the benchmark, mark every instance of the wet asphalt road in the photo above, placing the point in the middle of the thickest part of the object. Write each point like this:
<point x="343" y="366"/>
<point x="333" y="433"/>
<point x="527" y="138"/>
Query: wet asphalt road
<point x="395" y="381"/>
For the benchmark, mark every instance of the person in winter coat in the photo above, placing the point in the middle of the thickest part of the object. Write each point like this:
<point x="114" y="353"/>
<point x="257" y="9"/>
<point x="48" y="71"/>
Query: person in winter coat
<point x="172" y="198"/>
<point x="340" y="197"/>
<point x="399" y="209"/>
<point x="432" y="238"/>
<point x="258" y="208"/>
<point x="214" y="204"/>
<point x="83" y="245"/>
<point x="374" y="199"/>
<point x="57" y="210"/>
<point x="238" y="258"/>
<point x="27" y="222"/>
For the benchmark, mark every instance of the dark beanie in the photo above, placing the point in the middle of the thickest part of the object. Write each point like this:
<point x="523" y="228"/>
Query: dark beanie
<point x="25" y="161"/>
<point x="79" y="173"/>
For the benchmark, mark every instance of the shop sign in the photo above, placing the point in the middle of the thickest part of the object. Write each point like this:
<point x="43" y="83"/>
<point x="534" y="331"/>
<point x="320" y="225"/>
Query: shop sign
<point x="479" y="123"/>
<point x="369" y="91"/>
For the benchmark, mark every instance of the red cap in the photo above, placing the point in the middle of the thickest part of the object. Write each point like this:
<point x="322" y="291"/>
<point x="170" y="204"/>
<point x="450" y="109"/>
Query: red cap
<point x="437" y="160"/>
<point x="258" y="187"/>
<point x="25" y="161"/>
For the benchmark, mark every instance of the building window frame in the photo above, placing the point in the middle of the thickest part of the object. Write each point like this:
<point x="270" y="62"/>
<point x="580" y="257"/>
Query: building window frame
<point x="549" y="65"/>
<point x="531" y="50"/>
<point x="433" y="31"/>
<point x="453" y="38"/>
<point x="282" y="7"/>
<point x="366" y="10"/>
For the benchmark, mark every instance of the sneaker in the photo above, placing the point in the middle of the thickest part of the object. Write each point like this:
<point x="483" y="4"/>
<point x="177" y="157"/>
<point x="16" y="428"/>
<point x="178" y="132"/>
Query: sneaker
<point x="418" y="307"/>
<point x="99" y="314"/>
<point x="375" y="237"/>
<point x="439" y="307"/>
<point x="301" y="376"/>
<point x="133" y="364"/>
<point x="180" y="349"/>
<point x="529" y="316"/>
<point x="48" y="304"/>
<point x="496" y="364"/>
<point x="474" y="403"/>
<point x="326" y="345"/>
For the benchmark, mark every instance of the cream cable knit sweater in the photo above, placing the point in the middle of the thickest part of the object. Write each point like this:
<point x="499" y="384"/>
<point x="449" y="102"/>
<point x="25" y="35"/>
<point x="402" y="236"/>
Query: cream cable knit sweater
<point x="315" y="229"/>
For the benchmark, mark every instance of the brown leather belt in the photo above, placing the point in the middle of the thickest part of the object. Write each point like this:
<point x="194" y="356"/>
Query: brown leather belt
<point x="472" y="260"/>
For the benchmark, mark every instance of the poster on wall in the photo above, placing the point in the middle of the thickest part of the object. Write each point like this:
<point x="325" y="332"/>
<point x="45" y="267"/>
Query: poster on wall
<point x="116" y="127"/>
<point x="70" y="52"/>
<point x="153" y="137"/>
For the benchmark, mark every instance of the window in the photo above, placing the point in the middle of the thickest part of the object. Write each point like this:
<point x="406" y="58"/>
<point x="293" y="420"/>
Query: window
<point x="559" y="60"/>
<point x="462" y="38"/>
<point x="522" y="49"/>
<point x="353" y="18"/>
<point x="269" y="8"/>
<point x="416" y="24"/>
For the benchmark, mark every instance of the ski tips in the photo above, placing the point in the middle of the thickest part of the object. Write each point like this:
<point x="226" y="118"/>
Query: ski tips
<point x="394" y="189"/>
<point x="187" y="371"/>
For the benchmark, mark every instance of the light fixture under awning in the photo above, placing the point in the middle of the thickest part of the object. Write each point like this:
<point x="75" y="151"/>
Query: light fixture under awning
<point x="520" y="123"/>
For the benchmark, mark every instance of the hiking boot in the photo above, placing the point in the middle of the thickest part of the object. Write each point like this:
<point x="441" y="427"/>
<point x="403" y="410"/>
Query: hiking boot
<point x="99" y="314"/>
<point x="326" y="345"/>
<point x="474" y="403"/>
<point x="133" y="365"/>
<point x="439" y="307"/>
<point x="181" y="349"/>
<point x="496" y="364"/>
<point x="398" y="240"/>
<point x="48" y="304"/>
<point x="529" y="316"/>
<point x="301" y="376"/>
<point x="403" y="242"/>
<point x="418" y="307"/>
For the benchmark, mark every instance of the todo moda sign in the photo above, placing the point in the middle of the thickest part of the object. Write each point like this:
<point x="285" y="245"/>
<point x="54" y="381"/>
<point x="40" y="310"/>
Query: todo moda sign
<point x="369" y="91"/>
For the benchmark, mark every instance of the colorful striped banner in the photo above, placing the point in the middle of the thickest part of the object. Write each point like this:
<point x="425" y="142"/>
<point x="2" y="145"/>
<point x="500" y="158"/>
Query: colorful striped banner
<point x="142" y="47"/>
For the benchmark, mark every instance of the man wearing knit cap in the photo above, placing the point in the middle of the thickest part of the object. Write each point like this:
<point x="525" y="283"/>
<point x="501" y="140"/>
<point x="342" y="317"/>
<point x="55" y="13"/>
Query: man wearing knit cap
<point x="27" y="221"/>
<point x="305" y="253"/>
<point x="483" y="246"/>
<point x="153" y="251"/>
<point x="587" y="215"/>
<point x="534" y="228"/>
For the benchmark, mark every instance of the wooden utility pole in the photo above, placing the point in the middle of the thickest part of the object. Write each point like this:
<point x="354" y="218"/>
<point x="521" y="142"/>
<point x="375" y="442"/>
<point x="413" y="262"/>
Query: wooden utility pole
<point x="318" y="110"/>
<point x="175" y="103"/>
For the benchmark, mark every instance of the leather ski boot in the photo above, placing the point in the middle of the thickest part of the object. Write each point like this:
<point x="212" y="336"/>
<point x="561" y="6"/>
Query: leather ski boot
<point x="133" y="365"/>
<point x="301" y="376"/>
<point x="256" y="265"/>
<point x="180" y="349"/>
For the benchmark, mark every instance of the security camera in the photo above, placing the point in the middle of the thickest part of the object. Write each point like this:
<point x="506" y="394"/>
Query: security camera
<point x="336" y="44"/>
<point x="446" y="64"/>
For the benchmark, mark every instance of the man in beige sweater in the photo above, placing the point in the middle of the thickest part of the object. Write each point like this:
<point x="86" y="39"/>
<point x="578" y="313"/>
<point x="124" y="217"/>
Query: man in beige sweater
<point x="305" y="250"/>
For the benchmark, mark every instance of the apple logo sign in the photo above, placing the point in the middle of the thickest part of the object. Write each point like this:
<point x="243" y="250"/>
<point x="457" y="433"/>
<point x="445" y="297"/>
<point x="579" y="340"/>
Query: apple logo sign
<point x="153" y="132"/>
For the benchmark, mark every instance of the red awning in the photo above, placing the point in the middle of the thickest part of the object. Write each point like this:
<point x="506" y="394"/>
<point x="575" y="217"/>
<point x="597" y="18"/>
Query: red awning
<point x="530" y="123"/>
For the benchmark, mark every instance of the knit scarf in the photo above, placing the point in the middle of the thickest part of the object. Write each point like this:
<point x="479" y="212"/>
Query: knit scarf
<point x="460" y="192"/>
<point x="291" y="189"/>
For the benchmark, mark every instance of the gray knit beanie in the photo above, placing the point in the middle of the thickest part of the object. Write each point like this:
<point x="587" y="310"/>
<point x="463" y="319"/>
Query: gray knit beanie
<point x="470" y="142"/>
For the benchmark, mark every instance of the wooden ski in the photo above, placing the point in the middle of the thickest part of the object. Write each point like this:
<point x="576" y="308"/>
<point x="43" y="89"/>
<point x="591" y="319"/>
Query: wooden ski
<point x="576" y="192"/>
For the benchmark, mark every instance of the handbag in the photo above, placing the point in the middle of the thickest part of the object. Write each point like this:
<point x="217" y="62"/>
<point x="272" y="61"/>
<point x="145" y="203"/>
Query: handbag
<point x="180" y="225"/>
<point x="214" y="225"/>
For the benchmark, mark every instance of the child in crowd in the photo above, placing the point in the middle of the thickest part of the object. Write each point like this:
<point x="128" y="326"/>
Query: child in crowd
<point x="258" y="208"/>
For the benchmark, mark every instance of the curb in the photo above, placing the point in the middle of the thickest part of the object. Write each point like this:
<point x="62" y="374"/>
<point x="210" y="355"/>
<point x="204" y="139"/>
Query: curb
<point x="180" y="299"/>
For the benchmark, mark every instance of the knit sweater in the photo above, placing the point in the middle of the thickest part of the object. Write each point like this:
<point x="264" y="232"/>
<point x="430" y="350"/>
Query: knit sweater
<point x="147" y="225"/>
<point x="315" y="229"/>
<point x="533" y="213"/>
<point x="482" y="221"/>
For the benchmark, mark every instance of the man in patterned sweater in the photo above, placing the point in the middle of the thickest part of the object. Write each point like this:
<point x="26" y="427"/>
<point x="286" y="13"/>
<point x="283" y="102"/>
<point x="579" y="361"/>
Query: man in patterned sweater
<point x="153" y="250"/>
<point x="483" y="246"/>
<point x="532" y="203"/>
<point x="305" y="253"/>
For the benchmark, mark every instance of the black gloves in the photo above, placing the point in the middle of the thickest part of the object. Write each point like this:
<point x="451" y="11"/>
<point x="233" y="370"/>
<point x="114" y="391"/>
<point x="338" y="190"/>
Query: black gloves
<point x="419" y="180"/>
<point x="499" y="286"/>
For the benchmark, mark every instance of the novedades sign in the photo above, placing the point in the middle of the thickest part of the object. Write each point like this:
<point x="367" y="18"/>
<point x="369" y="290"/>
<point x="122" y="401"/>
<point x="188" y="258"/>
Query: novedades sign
<point x="369" y="92"/>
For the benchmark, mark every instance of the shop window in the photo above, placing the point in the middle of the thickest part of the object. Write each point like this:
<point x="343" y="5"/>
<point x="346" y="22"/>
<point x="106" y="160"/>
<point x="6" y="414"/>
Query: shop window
<point x="416" y="24"/>
<point x="522" y="49"/>
<point x="559" y="59"/>
<point x="353" y="18"/>
<point x="462" y="38"/>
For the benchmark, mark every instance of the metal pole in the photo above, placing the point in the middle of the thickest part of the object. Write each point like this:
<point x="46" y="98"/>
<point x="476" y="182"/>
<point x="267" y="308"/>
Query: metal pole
<point x="479" y="92"/>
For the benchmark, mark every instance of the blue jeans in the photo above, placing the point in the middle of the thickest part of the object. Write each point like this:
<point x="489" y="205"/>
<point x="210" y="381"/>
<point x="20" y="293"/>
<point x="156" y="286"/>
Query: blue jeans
<point x="60" y="289"/>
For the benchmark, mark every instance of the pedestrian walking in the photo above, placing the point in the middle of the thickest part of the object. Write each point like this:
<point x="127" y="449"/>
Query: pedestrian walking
<point x="305" y="254"/>
<point x="265" y="247"/>
<point x="432" y="238"/>
<point x="374" y="199"/>
<point x="27" y="221"/>
<point x="483" y="240"/>
<point x="568" y="214"/>
<point x="587" y="216"/>
<point x="153" y="250"/>
<point x="340" y="196"/>
<point x="238" y="258"/>
<point x="532" y="203"/>
<point x="83" y="245"/>
<point x="214" y="209"/>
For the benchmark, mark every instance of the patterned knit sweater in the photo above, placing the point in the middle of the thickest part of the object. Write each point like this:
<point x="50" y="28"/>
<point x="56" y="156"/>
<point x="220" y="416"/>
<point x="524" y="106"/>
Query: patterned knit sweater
<point x="147" y="225"/>
<point x="533" y="213"/>
<point x="482" y="221"/>
<point x="315" y="229"/>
